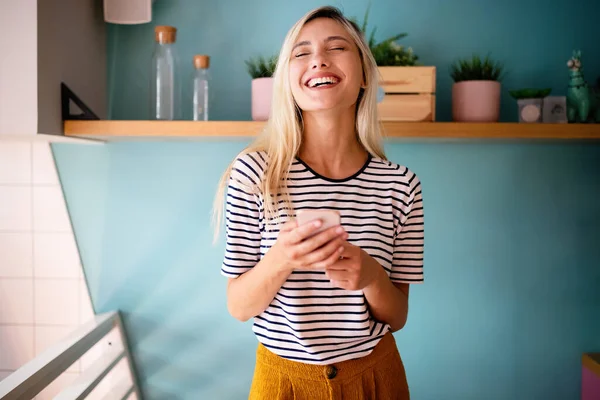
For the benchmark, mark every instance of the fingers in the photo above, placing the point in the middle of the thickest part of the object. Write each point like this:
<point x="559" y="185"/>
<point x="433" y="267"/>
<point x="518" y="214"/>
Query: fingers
<point x="334" y="256"/>
<point x="326" y="256"/>
<point x="341" y="262"/>
<point x="338" y="278"/>
<point x="315" y="242"/>
<point x="288" y="226"/>
<point x="335" y="275"/>
<point x="301" y="232"/>
<point x="302" y="246"/>
<point x="341" y="284"/>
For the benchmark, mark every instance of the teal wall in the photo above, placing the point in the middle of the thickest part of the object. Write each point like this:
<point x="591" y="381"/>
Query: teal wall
<point x="534" y="39"/>
<point x="512" y="257"/>
<point x="511" y="297"/>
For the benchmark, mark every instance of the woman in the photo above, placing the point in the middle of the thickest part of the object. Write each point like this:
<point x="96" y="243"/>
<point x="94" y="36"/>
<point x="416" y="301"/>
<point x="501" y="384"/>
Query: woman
<point x="324" y="305"/>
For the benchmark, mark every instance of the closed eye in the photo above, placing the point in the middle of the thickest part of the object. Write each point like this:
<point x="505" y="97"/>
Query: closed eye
<point x="300" y="54"/>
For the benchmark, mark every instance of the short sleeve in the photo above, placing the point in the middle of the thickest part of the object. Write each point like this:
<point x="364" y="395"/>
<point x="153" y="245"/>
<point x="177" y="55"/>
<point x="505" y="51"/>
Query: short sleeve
<point x="242" y="220"/>
<point x="407" y="264"/>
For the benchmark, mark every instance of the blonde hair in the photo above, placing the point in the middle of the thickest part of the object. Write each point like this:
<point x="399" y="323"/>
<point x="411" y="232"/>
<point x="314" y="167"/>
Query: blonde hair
<point x="282" y="134"/>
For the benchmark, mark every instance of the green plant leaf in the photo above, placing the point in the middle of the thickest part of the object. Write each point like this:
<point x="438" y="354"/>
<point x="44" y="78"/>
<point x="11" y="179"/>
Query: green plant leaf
<point x="394" y="38"/>
<point x="364" y="24"/>
<point x="529" y="93"/>
<point x="387" y="52"/>
<point x="474" y="68"/>
<point x="372" y="38"/>
<point x="261" y="67"/>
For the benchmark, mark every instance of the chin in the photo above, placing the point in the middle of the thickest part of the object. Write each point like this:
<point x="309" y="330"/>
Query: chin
<point x="318" y="107"/>
<point x="325" y="106"/>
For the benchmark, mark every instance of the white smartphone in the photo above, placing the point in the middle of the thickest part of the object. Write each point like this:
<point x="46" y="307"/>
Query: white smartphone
<point x="329" y="218"/>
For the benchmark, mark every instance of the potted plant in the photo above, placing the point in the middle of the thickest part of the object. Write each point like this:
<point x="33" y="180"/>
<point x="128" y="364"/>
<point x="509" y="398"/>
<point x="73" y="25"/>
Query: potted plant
<point x="387" y="52"/>
<point x="476" y="89"/>
<point x="406" y="88"/>
<point x="530" y="102"/>
<point x="261" y="70"/>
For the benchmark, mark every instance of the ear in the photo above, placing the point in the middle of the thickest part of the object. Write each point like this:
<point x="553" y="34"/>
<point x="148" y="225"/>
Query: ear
<point x="363" y="82"/>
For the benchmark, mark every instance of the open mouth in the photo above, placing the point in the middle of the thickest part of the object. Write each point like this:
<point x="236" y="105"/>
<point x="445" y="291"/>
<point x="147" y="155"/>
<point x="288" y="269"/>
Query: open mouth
<point x="325" y="81"/>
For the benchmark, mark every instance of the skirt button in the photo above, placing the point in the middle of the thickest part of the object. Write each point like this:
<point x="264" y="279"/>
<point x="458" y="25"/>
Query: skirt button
<point x="331" y="371"/>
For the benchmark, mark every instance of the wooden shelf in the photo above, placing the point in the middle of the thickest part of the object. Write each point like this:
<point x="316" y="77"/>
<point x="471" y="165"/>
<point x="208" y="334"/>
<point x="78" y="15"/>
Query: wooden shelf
<point x="165" y="130"/>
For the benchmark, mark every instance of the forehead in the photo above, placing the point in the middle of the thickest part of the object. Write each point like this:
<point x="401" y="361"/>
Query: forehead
<point x="320" y="29"/>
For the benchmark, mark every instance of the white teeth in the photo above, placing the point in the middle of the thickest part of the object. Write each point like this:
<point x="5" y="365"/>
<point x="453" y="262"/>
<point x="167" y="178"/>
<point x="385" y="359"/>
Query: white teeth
<point x="316" y="81"/>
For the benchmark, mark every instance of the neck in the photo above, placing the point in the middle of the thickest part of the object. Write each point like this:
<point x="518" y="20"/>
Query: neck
<point x="329" y="139"/>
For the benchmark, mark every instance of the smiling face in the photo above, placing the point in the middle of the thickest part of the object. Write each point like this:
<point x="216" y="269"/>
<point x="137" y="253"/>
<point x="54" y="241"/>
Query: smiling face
<point x="325" y="68"/>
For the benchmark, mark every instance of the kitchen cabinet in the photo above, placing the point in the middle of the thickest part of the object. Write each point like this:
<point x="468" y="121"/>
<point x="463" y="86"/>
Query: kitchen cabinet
<point x="45" y="44"/>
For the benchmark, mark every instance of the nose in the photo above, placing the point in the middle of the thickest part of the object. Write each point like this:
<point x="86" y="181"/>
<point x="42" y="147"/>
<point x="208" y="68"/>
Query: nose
<point x="319" y="60"/>
<point x="319" y="64"/>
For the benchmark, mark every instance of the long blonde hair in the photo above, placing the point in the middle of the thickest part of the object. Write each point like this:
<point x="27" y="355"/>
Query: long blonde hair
<point x="282" y="135"/>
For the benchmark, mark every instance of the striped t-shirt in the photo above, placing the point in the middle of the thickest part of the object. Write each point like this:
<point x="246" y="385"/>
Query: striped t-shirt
<point x="310" y="320"/>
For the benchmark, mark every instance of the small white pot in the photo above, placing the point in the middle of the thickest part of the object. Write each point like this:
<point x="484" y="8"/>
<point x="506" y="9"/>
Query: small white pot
<point x="476" y="101"/>
<point x="262" y="93"/>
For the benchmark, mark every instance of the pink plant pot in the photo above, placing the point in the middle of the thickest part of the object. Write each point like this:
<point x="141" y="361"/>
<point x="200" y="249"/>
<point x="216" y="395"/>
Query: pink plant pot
<point x="476" y="101"/>
<point x="262" y="93"/>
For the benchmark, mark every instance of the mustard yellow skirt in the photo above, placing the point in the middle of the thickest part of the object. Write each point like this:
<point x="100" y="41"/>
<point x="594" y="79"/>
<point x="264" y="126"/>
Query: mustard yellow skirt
<point x="378" y="376"/>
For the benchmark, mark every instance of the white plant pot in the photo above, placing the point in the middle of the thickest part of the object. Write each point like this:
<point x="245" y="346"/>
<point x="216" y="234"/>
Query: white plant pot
<point x="262" y="93"/>
<point x="476" y="101"/>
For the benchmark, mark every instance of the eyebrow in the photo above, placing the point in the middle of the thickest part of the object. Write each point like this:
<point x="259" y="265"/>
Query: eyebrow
<point x="329" y="39"/>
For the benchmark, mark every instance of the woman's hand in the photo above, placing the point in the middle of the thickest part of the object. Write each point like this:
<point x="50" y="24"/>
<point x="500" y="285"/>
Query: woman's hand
<point x="355" y="270"/>
<point x="297" y="249"/>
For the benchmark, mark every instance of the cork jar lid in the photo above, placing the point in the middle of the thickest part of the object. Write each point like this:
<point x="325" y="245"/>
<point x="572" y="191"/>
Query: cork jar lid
<point x="201" y="61"/>
<point x="165" y="34"/>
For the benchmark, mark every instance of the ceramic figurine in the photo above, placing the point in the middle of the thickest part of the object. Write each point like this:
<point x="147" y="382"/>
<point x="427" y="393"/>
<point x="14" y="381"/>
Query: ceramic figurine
<point x="582" y="100"/>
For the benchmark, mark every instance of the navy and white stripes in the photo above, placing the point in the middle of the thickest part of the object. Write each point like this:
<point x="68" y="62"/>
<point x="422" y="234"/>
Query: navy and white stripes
<point x="310" y="320"/>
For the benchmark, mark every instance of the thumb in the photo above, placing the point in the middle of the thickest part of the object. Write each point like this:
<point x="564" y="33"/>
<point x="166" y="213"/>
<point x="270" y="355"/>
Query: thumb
<point x="288" y="226"/>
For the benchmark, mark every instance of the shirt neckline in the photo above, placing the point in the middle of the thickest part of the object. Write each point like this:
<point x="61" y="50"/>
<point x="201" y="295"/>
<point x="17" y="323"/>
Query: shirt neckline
<point x="325" y="178"/>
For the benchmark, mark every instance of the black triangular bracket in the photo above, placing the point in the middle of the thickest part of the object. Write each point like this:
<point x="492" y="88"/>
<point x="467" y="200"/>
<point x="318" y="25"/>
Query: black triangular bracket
<point x="66" y="95"/>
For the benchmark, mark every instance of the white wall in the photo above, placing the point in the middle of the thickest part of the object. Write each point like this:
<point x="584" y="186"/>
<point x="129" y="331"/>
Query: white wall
<point x="43" y="296"/>
<point x="18" y="67"/>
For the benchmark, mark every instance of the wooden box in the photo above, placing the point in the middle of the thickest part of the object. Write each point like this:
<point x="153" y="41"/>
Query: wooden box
<point x="409" y="94"/>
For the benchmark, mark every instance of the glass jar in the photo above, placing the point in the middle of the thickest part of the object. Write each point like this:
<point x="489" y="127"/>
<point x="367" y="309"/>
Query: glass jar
<point x="165" y="86"/>
<point x="200" y="88"/>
